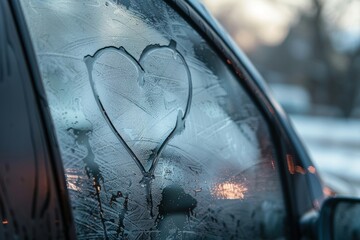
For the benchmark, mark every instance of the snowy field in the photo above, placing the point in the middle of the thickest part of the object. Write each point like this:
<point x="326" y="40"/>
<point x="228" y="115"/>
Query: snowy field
<point x="334" y="146"/>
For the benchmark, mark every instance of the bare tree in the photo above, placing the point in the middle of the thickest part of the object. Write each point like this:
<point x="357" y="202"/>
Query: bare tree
<point x="331" y="76"/>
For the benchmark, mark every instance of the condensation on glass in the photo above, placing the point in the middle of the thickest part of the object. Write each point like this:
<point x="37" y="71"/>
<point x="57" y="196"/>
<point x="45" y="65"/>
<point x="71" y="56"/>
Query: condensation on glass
<point x="157" y="137"/>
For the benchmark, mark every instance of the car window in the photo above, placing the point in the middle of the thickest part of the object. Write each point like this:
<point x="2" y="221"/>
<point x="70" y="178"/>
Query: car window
<point x="158" y="138"/>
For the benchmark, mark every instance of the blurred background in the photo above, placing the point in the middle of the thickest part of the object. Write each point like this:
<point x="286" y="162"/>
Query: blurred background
<point x="309" y="53"/>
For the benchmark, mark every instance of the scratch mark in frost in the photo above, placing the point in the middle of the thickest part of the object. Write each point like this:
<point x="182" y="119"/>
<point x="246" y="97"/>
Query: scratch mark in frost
<point x="148" y="176"/>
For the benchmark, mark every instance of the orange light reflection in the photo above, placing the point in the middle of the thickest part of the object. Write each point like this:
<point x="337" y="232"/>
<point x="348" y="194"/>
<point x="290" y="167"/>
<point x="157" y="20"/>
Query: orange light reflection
<point x="300" y="170"/>
<point x="229" y="190"/>
<point x="312" y="169"/>
<point x="5" y="221"/>
<point x="328" y="192"/>
<point x="291" y="165"/>
<point x="71" y="180"/>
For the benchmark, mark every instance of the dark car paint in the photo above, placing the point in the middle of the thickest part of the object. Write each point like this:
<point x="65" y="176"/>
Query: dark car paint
<point x="302" y="191"/>
<point x="29" y="123"/>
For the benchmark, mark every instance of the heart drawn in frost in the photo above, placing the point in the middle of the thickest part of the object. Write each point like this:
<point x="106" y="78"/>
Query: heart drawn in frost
<point x="145" y="102"/>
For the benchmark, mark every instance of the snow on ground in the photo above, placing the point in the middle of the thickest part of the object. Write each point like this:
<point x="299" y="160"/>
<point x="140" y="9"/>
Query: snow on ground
<point x="334" y="146"/>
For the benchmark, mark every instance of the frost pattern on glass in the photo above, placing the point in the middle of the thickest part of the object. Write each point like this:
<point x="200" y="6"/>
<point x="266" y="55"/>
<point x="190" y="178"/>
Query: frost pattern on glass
<point x="158" y="139"/>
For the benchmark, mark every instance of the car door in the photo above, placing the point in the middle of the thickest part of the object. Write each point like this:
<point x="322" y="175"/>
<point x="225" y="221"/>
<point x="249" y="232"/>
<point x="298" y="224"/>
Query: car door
<point x="163" y="129"/>
<point x="32" y="195"/>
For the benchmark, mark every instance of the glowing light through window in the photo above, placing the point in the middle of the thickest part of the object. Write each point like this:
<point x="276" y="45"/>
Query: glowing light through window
<point x="229" y="190"/>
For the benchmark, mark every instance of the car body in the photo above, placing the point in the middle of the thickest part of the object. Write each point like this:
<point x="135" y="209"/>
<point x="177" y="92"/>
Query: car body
<point x="81" y="151"/>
